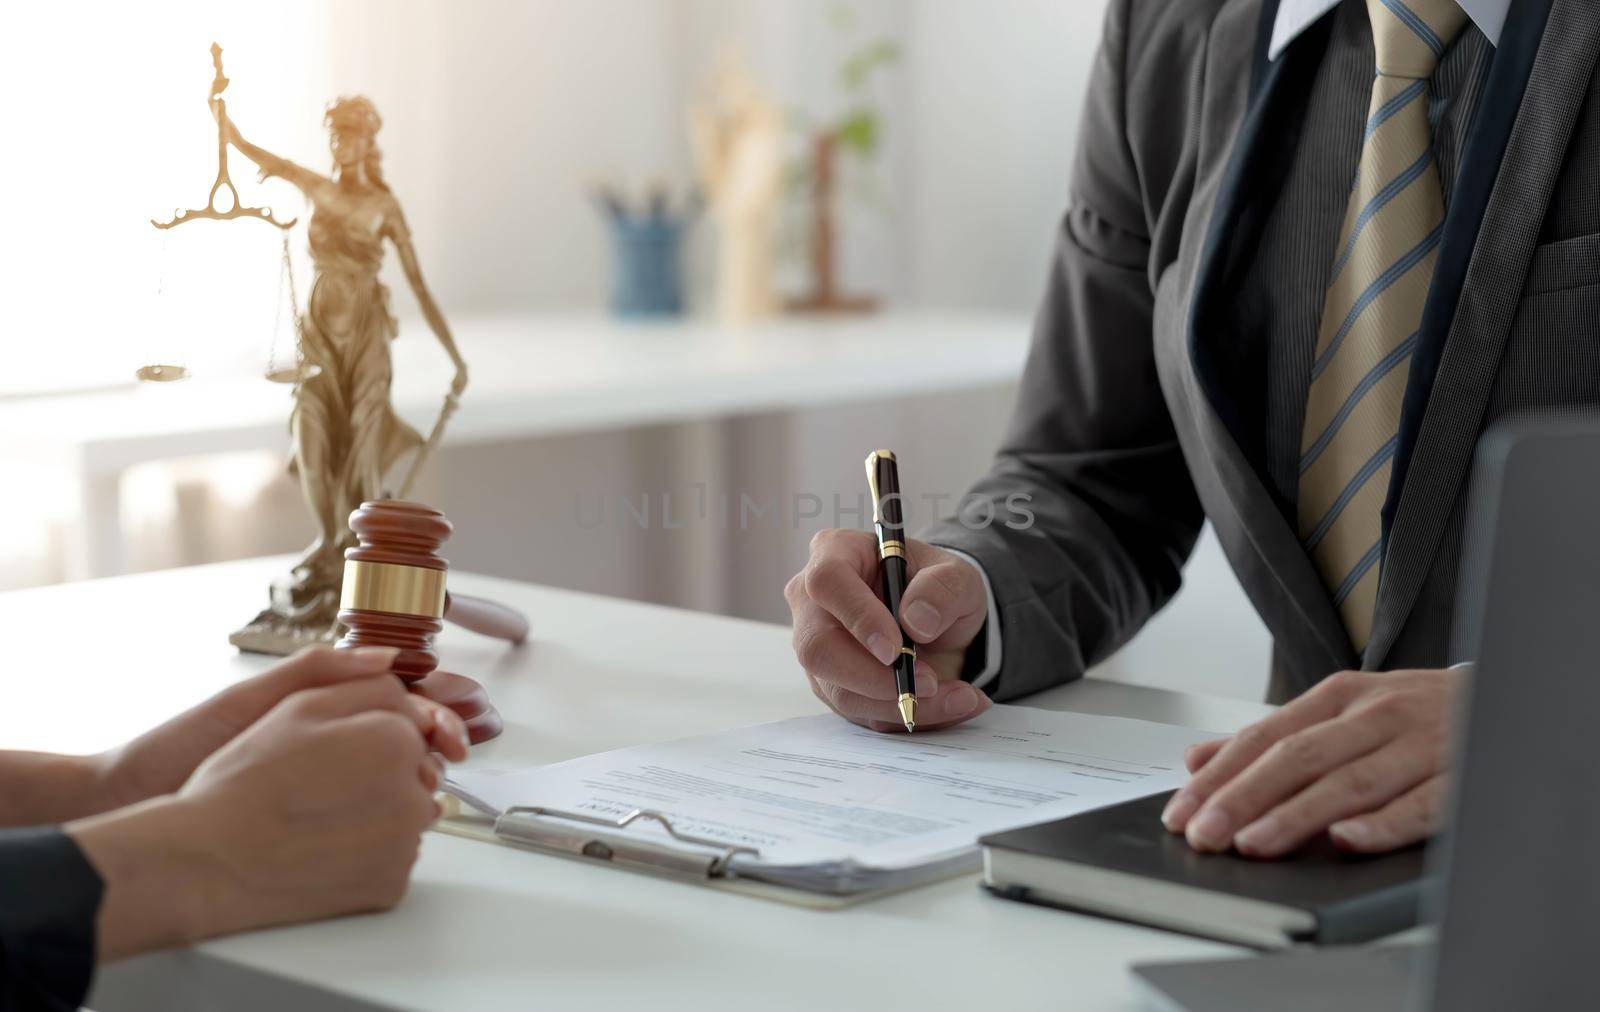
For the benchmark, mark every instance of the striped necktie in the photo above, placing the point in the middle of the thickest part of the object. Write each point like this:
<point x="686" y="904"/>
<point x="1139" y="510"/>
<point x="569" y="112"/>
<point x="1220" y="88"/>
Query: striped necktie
<point x="1372" y="311"/>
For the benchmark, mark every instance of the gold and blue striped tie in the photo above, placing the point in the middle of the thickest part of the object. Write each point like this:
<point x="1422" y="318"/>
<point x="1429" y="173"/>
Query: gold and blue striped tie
<point x="1381" y="270"/>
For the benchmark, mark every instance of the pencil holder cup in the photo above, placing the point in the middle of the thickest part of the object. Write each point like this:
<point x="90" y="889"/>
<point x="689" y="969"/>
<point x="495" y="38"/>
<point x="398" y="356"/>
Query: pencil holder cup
<point x="647" y="266"/>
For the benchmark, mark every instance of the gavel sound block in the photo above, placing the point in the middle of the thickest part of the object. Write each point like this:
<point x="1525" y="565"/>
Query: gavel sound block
<point x="394" y="596"/>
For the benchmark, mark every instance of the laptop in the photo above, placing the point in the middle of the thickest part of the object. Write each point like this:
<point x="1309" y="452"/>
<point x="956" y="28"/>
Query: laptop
<point x="1514" y="890"/>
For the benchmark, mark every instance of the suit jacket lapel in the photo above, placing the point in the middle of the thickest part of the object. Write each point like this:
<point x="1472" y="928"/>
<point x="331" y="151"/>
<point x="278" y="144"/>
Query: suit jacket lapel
<point x="1223" y="368"/>
<point x="1540" y="74"/>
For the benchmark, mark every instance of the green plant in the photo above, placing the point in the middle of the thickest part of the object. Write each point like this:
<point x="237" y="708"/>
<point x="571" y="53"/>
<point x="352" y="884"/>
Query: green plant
<point x="859" y="128"/>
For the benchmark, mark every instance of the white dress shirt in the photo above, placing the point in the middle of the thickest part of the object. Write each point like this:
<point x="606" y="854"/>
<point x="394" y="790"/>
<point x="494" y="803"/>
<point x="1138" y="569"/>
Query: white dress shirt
<point x="1295" y="16"/>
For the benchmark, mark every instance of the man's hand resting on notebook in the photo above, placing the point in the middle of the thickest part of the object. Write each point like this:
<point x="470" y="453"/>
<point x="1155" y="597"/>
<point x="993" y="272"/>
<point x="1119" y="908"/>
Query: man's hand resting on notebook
<point x="1362" y="756"/>
<point x="846" y="639"/>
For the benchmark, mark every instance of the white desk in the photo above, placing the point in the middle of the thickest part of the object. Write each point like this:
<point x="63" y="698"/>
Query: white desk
<point x="530" y="377"/>
<point x="487" y="927"/>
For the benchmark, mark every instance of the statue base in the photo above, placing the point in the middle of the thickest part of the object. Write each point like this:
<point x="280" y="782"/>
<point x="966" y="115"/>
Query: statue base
<point x="271" y="633"/>
<point x="302" y="607"/>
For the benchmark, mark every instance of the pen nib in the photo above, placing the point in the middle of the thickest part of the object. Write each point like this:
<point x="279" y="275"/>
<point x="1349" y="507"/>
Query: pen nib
<point x="908" y="711"/>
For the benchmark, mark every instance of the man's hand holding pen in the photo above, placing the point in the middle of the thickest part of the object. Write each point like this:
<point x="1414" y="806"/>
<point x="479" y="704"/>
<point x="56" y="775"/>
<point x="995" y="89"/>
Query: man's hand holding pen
<point x="846" y="638"/>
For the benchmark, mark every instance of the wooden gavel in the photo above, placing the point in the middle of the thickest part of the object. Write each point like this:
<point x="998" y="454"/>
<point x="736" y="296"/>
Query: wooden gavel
<point x="394" y="596"/>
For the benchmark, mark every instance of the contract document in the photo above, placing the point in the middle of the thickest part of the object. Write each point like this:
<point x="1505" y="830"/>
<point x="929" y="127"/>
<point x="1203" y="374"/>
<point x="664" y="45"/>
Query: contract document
<point x="817" y="803"/>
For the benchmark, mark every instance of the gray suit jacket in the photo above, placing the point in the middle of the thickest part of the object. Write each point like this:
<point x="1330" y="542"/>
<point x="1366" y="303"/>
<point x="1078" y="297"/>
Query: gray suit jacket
<point x="1139" y="407"/>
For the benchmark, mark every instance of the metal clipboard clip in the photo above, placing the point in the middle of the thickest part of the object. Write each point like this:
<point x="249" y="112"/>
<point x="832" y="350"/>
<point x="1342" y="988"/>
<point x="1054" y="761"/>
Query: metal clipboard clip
<point x="601" y="839"/>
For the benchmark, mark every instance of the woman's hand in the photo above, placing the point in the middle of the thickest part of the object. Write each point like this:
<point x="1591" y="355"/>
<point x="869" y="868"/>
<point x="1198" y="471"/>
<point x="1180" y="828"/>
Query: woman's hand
<point x="162" y="760"/>
<point x="1361" y="756"/>
<point x="317" y="809"/>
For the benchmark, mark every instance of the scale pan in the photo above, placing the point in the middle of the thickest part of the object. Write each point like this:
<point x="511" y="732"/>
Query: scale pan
<point x="294" y="373"/>
<point x="162" y="373"/>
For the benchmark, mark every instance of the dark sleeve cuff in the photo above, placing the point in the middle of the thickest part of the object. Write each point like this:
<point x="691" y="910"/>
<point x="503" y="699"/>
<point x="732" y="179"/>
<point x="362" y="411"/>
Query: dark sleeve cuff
<point x="49" y="897"/>
<point x="976" y="661"/>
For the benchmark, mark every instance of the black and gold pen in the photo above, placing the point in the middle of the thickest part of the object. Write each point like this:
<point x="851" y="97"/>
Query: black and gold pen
<point x="883" y="480"/>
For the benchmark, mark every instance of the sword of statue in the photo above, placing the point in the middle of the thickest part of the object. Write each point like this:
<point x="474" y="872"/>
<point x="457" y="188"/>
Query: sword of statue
<point x="451" y="402"/>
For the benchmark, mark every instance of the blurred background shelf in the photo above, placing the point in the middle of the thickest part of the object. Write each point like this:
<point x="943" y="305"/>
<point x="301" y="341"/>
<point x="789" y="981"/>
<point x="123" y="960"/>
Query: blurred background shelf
<point x="532" y="378"/>
<point x="546" y="375"/>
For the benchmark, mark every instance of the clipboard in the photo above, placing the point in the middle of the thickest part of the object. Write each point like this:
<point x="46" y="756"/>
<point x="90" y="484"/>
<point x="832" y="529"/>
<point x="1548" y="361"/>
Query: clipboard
<point x="582" y="837"/>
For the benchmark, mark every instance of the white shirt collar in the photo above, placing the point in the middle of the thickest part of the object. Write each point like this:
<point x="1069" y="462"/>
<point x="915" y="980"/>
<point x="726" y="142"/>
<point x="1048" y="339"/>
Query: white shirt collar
<point x="1295" y="16"/>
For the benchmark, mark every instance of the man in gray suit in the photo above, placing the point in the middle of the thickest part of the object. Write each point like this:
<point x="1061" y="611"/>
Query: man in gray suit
<point x="1288" y="297"/>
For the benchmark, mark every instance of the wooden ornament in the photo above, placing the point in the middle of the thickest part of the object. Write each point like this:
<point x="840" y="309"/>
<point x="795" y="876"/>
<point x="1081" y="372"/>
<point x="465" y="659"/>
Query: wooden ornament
<point x="394" y="596"/>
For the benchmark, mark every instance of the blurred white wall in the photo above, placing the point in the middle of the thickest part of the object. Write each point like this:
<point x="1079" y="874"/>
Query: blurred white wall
<point x="499" y="115"/>
<point x="105" y="127"/>
<point x="994" y="91"/>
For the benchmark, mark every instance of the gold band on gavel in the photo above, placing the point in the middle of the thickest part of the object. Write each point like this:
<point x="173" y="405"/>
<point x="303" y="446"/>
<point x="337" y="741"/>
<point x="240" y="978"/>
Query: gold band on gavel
<point x="399" y="590"/>
<point x="889" y="548"/>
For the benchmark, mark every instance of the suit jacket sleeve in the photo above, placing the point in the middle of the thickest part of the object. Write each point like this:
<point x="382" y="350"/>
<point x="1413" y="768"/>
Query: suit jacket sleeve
<point x="1093" y="510"/>
<point x="49" y="897"/>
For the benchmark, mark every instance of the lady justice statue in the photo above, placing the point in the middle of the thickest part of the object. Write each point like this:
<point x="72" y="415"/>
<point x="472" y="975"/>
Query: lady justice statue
<point x="346" y="436"/>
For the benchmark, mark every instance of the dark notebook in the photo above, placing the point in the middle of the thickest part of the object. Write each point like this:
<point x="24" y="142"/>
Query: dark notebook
<point x="1121" y="862"/>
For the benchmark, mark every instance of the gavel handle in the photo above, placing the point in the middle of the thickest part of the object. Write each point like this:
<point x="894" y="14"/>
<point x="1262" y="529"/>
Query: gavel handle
<point x="486" y="617"/>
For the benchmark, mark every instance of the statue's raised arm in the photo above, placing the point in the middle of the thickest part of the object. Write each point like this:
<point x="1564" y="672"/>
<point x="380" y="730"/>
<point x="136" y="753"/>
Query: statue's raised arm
<point x="270" y="164"/>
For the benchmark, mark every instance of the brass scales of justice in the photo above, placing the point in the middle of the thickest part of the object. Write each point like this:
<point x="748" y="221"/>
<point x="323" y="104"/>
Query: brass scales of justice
<point x="165" y="372"/>
<point x="372" y="576"/>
